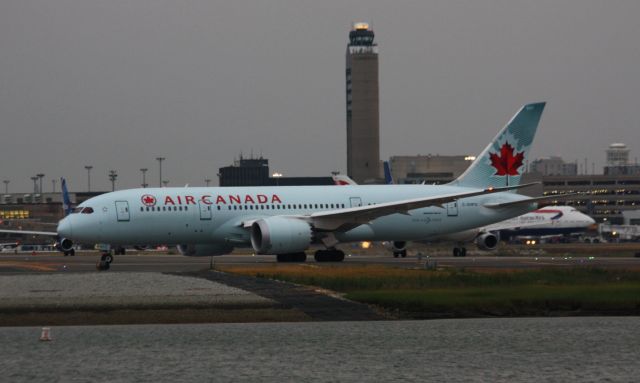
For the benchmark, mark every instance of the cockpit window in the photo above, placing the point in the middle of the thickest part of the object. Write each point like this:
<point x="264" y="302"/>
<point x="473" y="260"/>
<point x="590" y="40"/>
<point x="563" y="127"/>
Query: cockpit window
<point x="87" y="210"/>
<point x="77" y="210"/>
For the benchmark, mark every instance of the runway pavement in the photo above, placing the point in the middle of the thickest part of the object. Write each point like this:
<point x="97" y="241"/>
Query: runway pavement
<point x="156" y="262"/>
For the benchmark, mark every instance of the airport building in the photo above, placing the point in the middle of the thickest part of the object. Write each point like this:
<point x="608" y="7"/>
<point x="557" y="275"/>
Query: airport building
<point x="255" y="172"/>
<point x="363" y="120"/>
<point x="428" y="169"/>
<point x="553" y="166"/>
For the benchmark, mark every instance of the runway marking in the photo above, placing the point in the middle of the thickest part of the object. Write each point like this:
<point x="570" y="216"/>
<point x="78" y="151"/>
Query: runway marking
<point x="29" y="266"/>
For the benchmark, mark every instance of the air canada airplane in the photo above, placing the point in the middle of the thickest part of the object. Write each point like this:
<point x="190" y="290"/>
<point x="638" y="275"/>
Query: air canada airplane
<point x="285" y="221"/>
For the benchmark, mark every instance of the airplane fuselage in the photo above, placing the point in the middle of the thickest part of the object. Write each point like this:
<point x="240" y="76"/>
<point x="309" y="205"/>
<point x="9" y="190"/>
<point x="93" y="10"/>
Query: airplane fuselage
<point x="200" y="215"/>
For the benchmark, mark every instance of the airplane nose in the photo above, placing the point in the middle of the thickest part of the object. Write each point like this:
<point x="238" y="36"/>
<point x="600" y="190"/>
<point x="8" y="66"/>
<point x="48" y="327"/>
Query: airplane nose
<point x="64" y="228"/>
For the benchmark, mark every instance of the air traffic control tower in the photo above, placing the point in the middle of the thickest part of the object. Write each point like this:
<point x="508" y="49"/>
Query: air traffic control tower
<point x="363" y="121"/>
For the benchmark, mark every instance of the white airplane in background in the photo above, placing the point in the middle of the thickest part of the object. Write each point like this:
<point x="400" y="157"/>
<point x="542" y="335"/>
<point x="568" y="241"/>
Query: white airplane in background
<point x="285" y="221"/>
<point x="551" y="220"/>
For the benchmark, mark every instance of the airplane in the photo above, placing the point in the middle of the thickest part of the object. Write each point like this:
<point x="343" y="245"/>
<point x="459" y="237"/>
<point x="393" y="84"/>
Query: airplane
<point x="551" y="220"/>
<point x="286" y="220"/>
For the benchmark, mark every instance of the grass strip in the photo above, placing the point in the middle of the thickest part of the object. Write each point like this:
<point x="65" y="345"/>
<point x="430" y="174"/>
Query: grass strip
<point x="454" y="293"/>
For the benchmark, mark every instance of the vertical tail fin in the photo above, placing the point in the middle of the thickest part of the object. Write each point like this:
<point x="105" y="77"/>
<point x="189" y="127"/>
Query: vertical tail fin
<point x="503" y="161"/>
<point x="66" y="202"/>
<point x="388" y="178"/>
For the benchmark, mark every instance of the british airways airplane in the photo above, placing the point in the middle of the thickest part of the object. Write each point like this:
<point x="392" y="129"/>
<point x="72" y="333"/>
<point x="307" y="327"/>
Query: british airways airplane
<point x="285" y="221"/>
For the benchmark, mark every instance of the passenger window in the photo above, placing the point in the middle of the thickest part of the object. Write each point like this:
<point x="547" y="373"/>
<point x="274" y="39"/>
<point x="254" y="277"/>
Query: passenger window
<point x="218" y="207"/>
<point x="164" y="208"/>
<point x="141" y="208"/>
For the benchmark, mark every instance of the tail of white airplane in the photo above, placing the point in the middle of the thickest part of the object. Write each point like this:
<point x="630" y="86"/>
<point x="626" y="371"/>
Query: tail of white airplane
<point x="343" y="180"/>
<point x="503" y="161"/>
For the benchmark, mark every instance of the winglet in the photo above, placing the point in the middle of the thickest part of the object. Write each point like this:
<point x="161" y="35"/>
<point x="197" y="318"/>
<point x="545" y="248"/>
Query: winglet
<point x="66" y="201"/>
<point x="388" y="178"/>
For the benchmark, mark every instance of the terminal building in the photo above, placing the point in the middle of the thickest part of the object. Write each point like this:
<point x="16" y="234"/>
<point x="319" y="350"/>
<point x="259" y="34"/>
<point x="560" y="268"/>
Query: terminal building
<point x="362" y="106"/>
<point x="255" y="172"/>
<point x="428" y="169"/>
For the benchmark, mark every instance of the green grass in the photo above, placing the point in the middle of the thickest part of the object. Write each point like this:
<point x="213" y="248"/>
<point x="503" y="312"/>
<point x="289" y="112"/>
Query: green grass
<point x="423" y="293"/>
<point x="527" y="299"/>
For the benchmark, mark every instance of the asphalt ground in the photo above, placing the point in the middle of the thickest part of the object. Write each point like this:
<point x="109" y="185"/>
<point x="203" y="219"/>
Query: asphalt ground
<point x="161" y="262"/>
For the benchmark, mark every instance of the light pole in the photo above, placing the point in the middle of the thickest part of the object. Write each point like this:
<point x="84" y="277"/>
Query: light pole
<point x="207" y="181"/>
<point x="88" y="167"/>
<point x="112" y="177"/>
<point x="160" y="159"/>
<point x="6" y="186"/>
<point x="41" y="176"/>
<point x="144" y="177"/>
<point x="35" y="184"/>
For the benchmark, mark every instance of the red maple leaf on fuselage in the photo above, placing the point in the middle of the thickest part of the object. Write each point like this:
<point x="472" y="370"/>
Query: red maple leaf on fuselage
<point x="506" y="163"/>
<point x="148" y="200"/>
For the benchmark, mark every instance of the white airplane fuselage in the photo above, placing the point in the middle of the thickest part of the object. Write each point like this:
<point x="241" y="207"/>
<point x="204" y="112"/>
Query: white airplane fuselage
<point x="200" y="215"/>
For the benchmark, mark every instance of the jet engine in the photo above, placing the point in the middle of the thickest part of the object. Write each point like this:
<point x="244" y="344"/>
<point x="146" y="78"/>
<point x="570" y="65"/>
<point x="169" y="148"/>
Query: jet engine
<point x="280" y="235"/>
<point x="487" y="241"/>
<point x="397" y="246"/>
<point x="65" y="244"/>
<point x="204" y="250"/>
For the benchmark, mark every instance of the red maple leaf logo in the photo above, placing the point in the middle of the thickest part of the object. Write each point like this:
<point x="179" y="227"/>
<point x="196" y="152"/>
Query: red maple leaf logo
<point x="506" y="163"/>
<point x="148" y="200"/>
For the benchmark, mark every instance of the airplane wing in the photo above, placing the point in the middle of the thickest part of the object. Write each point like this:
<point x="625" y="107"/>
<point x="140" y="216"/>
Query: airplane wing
<point x="525" y="201"/>
<point x="346" y="219"/>
<point x="48" y="233"/>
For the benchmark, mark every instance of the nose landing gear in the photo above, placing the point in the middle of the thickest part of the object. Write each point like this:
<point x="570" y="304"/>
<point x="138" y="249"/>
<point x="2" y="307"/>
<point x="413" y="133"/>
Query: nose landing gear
<point x="105" y="262"/>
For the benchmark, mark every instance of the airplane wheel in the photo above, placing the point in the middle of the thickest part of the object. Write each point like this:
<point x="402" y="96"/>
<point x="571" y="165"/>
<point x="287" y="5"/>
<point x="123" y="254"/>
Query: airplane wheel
<point x="72" y="252"/>
<point x="403" y="253"/>
<point x="395" y="254"/>
<point x="66" y="253"/>
<point x="463" y="251"/>
<point x="102" y="265"/>
<point x="456" y="251"/>
<point x="329" y="256"/>
<point x="108" y="258"/>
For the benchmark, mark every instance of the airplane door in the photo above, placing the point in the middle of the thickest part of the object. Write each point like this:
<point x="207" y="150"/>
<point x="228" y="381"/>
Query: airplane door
<point x="355" y="201"/>
<point x="452" y="209"/>
<point x="205" y="211"/>
<point x="122" y="211"/>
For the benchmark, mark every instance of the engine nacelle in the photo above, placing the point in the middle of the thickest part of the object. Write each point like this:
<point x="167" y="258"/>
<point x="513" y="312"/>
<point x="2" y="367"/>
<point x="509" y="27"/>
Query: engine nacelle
<point x="280" y="235"/>
<point x="487" y="241"/>
<point x="398" y="246"/>
<point x="65" y="244"/>
<point x="204" y="250"/>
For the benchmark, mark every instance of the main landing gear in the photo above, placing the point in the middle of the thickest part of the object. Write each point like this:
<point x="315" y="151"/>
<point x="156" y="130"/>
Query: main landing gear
<point x="401" y="253"/>
<point x="329" y="255"/>
<point x="105" y="262"/>
<point x="71" y="252"/>
<point x="293" y="257"/>
<point x="459" y="251"/>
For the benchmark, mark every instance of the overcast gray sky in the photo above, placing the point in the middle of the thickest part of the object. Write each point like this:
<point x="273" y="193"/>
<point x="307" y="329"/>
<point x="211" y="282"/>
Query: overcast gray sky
<point x="115" y="83"/>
